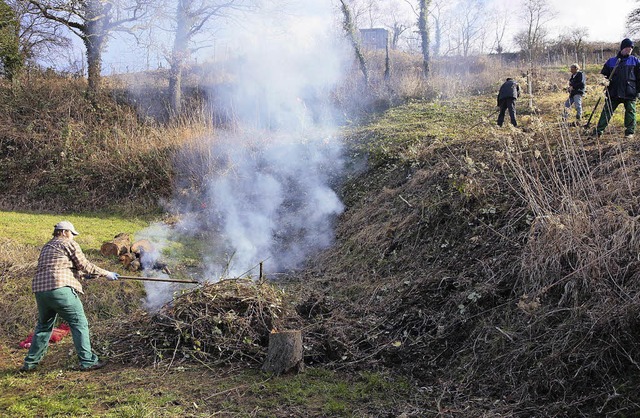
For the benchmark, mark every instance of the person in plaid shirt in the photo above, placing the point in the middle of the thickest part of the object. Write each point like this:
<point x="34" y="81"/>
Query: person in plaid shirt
<point x="56" y="286"/>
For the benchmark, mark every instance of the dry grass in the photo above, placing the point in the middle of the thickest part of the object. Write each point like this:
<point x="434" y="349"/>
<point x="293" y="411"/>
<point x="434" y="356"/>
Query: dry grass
<point x="502" y="266"/>
<point x="17" y="264"/>
<point x="64" y="153"/>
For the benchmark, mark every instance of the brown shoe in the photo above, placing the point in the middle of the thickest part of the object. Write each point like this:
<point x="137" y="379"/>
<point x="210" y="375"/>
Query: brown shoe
<point x="96" y="366"/>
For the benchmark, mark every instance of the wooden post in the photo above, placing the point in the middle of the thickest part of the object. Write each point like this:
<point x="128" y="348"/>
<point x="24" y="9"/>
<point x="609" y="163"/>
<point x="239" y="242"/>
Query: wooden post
<point x="285" y="352"/>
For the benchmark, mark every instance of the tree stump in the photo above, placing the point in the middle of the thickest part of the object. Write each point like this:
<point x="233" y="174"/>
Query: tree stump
<point x="117" y="246"/>
<point x="285" y="352"/>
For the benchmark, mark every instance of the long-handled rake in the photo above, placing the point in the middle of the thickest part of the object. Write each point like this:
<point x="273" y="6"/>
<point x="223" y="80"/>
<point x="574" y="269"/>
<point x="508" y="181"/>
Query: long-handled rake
<point x="586" y="126"/>
<point x="158" y="279"/>
<point x="150" y="279"/>
<point x="485" y="118"/>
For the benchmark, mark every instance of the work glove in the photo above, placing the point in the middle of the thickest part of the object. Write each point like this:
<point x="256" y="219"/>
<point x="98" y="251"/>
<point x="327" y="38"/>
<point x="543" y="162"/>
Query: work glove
<point x="112" y="275"/>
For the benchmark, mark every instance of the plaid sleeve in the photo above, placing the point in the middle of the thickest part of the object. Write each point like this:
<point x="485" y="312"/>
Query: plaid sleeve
<point x="80" y="262"/>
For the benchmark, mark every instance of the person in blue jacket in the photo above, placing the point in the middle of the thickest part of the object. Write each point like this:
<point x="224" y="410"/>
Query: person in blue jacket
<point x="507" y="96"/>
<point x="577" y="84"/>
<point x="623" y="73"/>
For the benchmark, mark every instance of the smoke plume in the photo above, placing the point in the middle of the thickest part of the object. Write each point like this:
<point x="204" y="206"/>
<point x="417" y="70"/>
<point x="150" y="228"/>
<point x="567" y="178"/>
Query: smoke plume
<point x="260" y="190"/>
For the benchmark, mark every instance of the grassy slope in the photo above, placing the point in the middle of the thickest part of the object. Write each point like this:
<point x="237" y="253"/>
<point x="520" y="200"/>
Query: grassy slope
<point x="424" y="249"/>
<point x="499" y="263"/>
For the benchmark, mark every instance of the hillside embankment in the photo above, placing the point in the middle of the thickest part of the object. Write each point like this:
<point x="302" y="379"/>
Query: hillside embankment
<point x="495" y="268"/>
<point x="498" y="267"/>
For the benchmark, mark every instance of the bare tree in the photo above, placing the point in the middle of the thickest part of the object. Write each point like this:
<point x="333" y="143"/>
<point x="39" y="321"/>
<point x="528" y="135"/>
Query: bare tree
<point x="499" y="20"/>
<point x="397" y="21"/>
<point x="194" y="17"/>
<point x="633" y="22"/>
<point x="40" y="38"/>
<point x="470" y="18"/>
<point x="364" y="13"/>
<point x="93" y="21"/>
<point x="423" y="29"/>
<point x="437" y="16"/>
<point x="535" y="14"/>
<point x="372" y="12"/>
<point x="350" y="29"/>
<point x="578" y="36"/>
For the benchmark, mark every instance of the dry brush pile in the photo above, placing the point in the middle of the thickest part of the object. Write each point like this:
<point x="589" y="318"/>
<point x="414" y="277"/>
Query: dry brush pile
<point x="214" y="324"/>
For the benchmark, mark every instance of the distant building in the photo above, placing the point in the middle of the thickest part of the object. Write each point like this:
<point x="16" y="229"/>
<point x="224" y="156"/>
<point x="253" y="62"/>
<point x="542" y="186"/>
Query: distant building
<point x="376" y="38"/>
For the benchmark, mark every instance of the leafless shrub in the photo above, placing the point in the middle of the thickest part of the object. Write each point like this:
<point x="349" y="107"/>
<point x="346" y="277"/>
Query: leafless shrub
<point x="577" y="236"/>
<point x="17" y="266"/>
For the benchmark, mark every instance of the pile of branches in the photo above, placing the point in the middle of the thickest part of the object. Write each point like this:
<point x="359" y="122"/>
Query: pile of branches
<point x="217" y="323"/>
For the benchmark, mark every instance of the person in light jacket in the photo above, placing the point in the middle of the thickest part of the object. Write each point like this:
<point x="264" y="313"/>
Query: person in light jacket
<point x="56" y="286"/>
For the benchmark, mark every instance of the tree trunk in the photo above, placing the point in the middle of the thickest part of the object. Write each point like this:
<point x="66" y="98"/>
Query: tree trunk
<point x="94" y="39"/>
<point x="350" y="29"/>
<point x="424" y="36"/>
<point x="94" y="65"/>
<point x="179" y="56"/>
<point x="285" y="352"/>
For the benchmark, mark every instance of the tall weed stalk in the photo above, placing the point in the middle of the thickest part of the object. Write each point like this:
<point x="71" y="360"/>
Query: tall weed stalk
<point x="583" y="230"/>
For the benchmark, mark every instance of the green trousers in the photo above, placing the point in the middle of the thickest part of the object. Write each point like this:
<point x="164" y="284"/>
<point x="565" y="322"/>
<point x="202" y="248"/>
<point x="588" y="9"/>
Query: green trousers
<point x="65" y="302"/>
<point x="610" y="106"/>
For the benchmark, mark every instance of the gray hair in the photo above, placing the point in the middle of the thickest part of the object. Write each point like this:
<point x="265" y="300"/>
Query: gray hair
<point x="576" y="66"/>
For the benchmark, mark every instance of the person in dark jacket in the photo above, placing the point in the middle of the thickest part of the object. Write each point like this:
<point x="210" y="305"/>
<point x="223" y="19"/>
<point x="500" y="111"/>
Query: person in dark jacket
<point x="507" y="96"/>
<point x="577" y="84"/>
<point x="623" y="73"/>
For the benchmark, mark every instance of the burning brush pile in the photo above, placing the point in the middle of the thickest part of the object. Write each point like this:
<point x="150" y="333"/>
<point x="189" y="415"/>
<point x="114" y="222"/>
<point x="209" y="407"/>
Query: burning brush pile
<point x="220" y="323"/>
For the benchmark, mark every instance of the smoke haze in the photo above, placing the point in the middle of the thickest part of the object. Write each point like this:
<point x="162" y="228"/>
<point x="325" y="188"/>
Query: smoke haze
<point x="260" y="191"/>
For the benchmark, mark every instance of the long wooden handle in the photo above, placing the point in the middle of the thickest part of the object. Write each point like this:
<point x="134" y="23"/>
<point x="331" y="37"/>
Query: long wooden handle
<point x="157" y="279"/>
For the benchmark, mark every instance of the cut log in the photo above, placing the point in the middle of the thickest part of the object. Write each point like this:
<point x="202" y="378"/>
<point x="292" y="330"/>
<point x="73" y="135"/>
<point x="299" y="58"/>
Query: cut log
<point x="285" y="353"/>
<point x="142" y="246"/>
<point x="117" y="246"/>
<point x="135" y="265"/>
<point x="126" y="259"/>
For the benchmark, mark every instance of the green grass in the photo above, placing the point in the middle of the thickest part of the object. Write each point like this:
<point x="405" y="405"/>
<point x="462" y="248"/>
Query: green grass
<point x="329" y="393"/>
<point x="35" y="228"/>
<point x="80" y="398"/>
<point x="151" y="393"/>
<point x="401" y="133"/>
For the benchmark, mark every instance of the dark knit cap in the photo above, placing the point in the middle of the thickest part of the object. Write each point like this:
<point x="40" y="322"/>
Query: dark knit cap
<point x="626" y="43"/>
